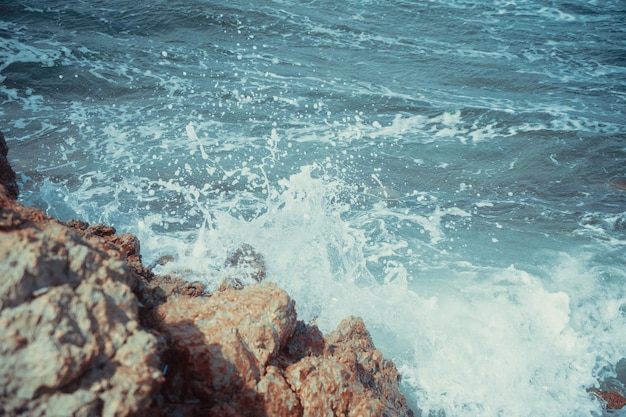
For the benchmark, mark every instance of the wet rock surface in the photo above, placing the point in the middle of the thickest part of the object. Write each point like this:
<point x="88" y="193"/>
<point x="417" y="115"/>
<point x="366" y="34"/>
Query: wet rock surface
<point x="87" y="330"/>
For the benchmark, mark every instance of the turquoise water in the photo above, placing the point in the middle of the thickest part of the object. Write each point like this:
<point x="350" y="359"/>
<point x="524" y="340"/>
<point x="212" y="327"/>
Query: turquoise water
<point x="451" y="171"/>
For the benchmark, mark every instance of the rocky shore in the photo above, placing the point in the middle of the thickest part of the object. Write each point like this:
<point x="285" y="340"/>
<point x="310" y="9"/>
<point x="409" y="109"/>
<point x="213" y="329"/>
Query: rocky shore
<point x="87" y="330"/>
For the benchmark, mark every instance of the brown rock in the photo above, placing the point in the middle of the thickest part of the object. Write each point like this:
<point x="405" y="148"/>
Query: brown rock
<point x="161" y="287"/>
<point x="243" y="266"/>
<point x="612" y="400"/>
<point x="242" y="352"/>
<point x="125" y="246"/>
<point x="223" y="343"/>
<point x="276" y="395"/>
<point x="70" y="341"/>
<point x="306" y="341"/>
<point x="350" y="379"/>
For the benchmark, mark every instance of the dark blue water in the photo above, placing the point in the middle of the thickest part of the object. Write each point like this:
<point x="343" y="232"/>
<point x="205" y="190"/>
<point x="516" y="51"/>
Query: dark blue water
<point x="452" y="171"/>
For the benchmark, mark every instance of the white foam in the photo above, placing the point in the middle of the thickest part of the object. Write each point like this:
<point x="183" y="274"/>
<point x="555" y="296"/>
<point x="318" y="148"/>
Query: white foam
<point x="500" y="344"/>
<point x="472" y="341"/>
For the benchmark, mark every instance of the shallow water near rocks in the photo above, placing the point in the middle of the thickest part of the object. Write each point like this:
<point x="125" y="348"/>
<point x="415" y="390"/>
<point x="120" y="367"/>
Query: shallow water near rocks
<point x="451" y="171"/>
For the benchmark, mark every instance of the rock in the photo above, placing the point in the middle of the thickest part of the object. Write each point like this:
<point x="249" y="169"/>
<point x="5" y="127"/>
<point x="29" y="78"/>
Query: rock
<point x="164" y="286"/>
<point x="276" y="394"/>
<point x="243" y="352"/>
<point x="307" y="340"/>
<point x="351" y="378"/>
<point x="7" y="176"/>
<point x="163" y="260"/>
<point x="611" y="400"/>
<point x="223" y="343"/>
<point x="125" y="245"/>
<point x="70" y="340"/>
<point x="243" y="266"/>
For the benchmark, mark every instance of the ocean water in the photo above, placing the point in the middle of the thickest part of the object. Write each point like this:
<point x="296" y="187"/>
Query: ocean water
<point x="452" y="171"/>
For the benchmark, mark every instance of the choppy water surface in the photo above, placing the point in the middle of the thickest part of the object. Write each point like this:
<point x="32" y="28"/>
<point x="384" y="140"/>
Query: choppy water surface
<point x="454" y="172"/>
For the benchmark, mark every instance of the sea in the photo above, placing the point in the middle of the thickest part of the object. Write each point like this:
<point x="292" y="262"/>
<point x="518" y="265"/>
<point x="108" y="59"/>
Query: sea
<point x="451" y="171"/>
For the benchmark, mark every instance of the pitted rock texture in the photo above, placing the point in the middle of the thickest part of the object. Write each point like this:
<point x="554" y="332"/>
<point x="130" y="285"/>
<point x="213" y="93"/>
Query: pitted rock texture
<point x="70" y="340"/>
<point x="243" y="352"/>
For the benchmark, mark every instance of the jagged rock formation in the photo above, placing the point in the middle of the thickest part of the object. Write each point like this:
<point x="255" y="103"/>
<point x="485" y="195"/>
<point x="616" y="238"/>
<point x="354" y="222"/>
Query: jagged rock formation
<point x="255" y="358"/>
<point x="70" y="338"/>
<point x="87" y="330"/>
